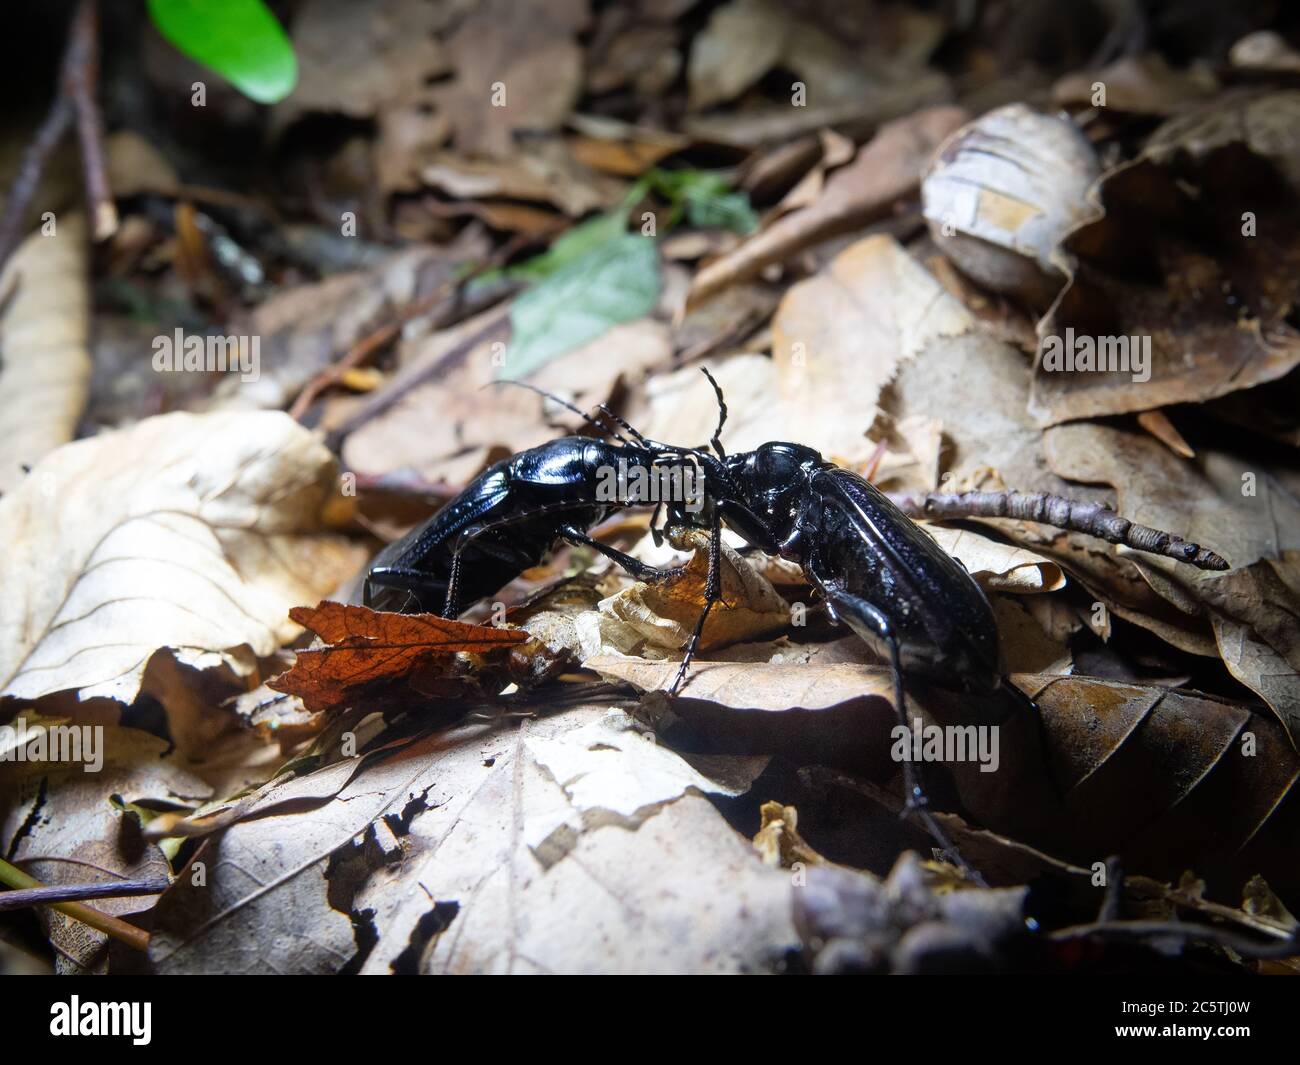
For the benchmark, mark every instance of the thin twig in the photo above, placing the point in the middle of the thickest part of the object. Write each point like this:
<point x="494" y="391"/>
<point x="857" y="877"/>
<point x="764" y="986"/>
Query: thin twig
<point x="1095" y="519"/>
<point x="13" y="877"/>
<point x="74" y="100"/>
<point x="1248" y="948"/>
<point x="365" y="349"/>
<point x="412" y="377"/>
<point x="81" y="79"/>
<point x="111" y="889"/>
<point x="19" y="201"/>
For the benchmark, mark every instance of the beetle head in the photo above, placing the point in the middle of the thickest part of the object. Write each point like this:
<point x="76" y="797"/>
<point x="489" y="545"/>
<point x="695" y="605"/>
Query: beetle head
<point x="770" y="480"/>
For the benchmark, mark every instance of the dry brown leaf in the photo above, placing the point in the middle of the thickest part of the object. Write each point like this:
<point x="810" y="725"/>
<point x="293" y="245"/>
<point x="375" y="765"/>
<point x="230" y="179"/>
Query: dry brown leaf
<point x="742" y="42"/>
<point x="833" y="712"/>
<point x="518" y="67"/>
<point x="1026" y="648"/>
<point x="191" y="533"/>
<point x="308" y="327"/>
<point x="948" y="351"/>
<point x="359" y="59"/>
<point x="449" y="429"/>
<point x="136" y="167"/>
<point x="1192" y="259"/>
<point x="1137" y="84"/>
<point x="840" y="337"/>
<point x="1254" y="606"/>
<point x="1002" y="191"/>
<point x="44" y="358"/>
<point x="1169" y="780"/>
<point x="681" y="405"/>
<point x="366" y="647"/>
<point x="263" y="904"/>
<point x="997" y="566"/>
<point x="638" y="52"/>
<point x="886" y="169"/>
<point x="546" y="173"/>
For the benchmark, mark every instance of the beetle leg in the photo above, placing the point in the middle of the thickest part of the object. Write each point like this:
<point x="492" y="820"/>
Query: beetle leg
<point x="857" y="608"/>
<point x="712" y="593"/>
<point x="638" y="569"/>
<point x="656" y="533"/>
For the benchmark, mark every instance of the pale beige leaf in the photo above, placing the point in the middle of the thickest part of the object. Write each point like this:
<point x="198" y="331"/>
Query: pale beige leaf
<point x="841" y="336"/>
<point x="190" y="532"/>
<point x="998" y="566"/>
<point x="565" y="849"/>
<point x="44" y="358"/>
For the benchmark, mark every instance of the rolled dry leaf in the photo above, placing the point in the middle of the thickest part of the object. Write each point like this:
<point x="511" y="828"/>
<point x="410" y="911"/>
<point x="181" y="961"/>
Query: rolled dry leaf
<point x="1001" y="193"/>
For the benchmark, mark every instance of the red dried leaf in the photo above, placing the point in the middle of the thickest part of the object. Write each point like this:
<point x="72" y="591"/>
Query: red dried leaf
<point x="370" y="647"/>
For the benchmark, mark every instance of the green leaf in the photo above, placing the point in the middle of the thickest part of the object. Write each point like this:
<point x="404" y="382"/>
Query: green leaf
<point x="604" y="285"/>
<point x="707" y="199"/>
<point x="729" y="210"/>
<point x="239" y="39"/>
<point x="571" y="245"/>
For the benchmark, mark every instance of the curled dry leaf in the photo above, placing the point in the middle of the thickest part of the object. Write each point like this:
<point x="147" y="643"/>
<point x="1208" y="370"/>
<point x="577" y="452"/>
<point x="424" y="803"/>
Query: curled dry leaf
<point x="193" y="533"/>
<point x="1185" y="287"/>
<point x="44" y="358"/>
<point x="367" y="647"/>
<point x="997" y="566"/>
<point x="1003" y="190"/>
<point x="1166" y="779"/>
<point x="660" y="617"/>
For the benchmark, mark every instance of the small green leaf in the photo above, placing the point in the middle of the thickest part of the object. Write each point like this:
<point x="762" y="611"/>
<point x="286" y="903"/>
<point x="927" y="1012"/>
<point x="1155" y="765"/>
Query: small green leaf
<point x="239" y="39"/>
<point x="609" y="283"/>
<point x="571" y="245"/>
<point x="706" y="197"/>
<point x="728" y="210"/>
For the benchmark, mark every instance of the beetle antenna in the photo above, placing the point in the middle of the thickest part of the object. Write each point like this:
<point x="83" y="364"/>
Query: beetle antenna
<point x="631" y="432"/>
<point x="604" y="428"/>
<point x="722" y="413"/>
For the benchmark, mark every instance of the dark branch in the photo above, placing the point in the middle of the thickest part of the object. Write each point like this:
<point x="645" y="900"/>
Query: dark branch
<point x="75" y="99"/>
<point x="1095" y="519"/>
<point x="111" y="889"/>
